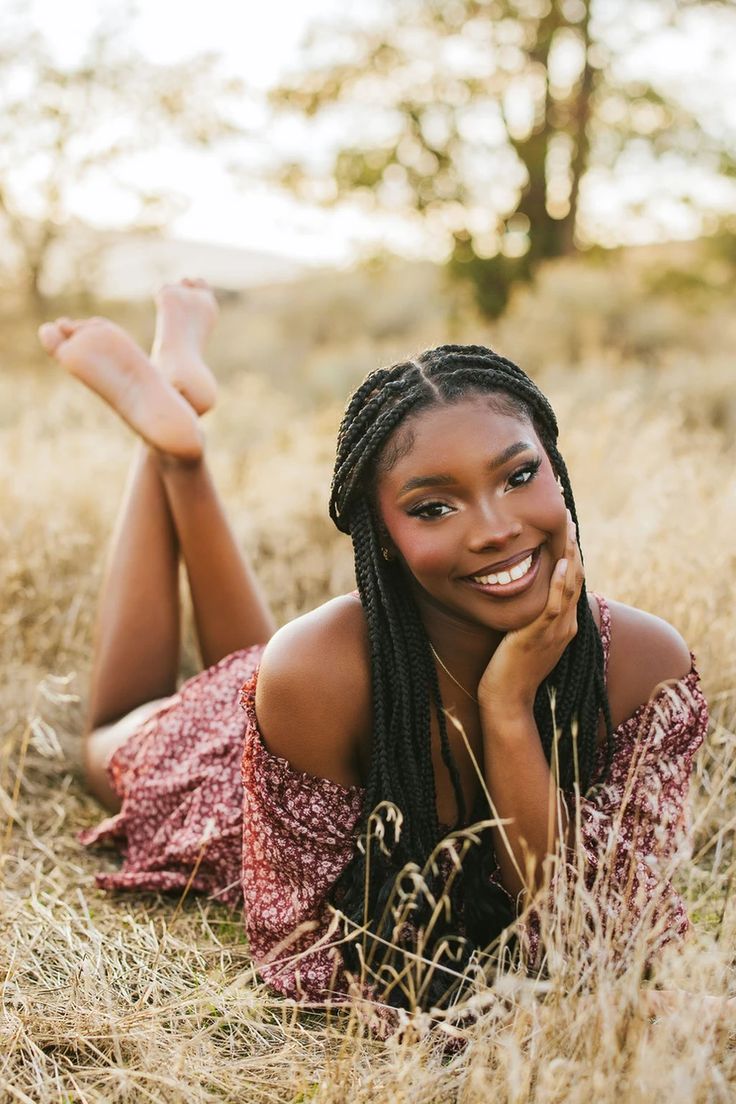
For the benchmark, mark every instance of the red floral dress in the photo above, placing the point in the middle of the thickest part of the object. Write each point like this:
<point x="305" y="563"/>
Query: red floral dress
<point x="206" y="805"/>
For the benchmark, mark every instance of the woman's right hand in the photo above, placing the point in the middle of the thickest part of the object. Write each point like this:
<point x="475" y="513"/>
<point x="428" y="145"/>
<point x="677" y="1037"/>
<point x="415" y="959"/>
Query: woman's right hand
<point x="526" y="656"/>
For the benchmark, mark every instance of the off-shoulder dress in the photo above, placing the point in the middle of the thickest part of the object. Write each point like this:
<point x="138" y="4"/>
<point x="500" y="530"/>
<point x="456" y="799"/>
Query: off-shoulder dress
<point x="206" y="805"/>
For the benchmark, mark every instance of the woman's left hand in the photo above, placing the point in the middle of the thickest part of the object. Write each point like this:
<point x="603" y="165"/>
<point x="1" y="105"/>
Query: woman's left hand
<point x="526" y="656"/>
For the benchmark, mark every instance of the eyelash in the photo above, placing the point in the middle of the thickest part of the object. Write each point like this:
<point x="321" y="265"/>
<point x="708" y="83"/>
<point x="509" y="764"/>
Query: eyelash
<point x="531" y="468"/>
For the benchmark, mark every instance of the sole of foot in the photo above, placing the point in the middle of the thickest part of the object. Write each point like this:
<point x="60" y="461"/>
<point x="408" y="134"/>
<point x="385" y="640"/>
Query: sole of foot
<point x="108" y="361"/>
<point x="185" y="315"/>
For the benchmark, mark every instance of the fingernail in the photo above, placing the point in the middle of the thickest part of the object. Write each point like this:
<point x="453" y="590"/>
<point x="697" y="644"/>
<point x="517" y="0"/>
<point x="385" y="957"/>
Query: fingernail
<point x="562" y="567"/>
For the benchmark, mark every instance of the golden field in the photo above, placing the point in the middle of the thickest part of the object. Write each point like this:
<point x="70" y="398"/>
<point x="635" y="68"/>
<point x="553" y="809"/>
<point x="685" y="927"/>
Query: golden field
<point x="139" y="998"/>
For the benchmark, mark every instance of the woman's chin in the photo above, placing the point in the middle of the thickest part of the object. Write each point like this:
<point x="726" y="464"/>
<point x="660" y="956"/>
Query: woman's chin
<point x="509" y="614"/>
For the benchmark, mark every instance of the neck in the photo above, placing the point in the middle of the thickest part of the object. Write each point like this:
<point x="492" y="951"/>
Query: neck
<point x="465" y="646"/>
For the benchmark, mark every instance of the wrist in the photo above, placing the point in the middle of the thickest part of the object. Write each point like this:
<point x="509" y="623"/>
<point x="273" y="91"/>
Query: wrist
<point x="505" y="705"/>
<point x="508" y="724"/>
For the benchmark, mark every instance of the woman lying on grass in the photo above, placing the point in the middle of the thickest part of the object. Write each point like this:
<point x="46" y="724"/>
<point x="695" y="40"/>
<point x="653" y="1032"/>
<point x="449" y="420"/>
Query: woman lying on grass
<point x="470" y="658"/>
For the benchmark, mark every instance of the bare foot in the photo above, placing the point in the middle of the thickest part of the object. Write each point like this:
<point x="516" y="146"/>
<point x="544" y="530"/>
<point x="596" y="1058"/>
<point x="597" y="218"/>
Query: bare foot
<point x="104" y="357"/>
<point x="186" y="313"/>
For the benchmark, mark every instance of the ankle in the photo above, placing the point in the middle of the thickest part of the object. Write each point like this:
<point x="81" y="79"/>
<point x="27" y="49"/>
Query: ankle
<point x="168" y="463"/>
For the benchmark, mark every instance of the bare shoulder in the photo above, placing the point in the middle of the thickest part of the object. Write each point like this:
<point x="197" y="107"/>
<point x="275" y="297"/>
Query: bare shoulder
<point x="646" y="651"/>
<point x="313" y="697"/>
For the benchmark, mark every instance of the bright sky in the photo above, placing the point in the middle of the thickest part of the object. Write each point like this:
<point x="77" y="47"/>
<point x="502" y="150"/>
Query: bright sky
<point x="259" y="42"/>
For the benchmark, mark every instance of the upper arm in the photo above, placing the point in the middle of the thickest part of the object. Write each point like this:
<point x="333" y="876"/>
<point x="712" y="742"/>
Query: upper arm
<point x="646" y="652"/>
<point x="313" y="695"/>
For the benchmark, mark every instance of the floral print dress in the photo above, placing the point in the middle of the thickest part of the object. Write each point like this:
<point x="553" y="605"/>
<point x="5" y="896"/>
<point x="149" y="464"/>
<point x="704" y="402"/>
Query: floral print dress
<point x="205" y="805"/>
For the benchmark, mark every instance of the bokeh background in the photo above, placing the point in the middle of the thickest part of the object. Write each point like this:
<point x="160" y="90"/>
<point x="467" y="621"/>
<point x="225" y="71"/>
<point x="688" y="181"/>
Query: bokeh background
<point x="554" y="178"/>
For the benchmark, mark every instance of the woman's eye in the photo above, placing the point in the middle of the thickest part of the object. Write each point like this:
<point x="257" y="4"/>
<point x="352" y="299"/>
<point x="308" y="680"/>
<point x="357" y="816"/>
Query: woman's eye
<point x="525" y="475"/>
<point x="430" y="510"/>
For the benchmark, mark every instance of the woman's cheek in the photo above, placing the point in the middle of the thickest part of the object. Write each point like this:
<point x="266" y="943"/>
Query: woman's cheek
<point x="547" y="504"/>
<point x="420" y="546"/>
<point x="551" y="517"/>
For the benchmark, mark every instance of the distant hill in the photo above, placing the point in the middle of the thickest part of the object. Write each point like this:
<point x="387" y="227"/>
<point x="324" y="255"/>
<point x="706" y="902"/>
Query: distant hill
<point x="131" y="266"/>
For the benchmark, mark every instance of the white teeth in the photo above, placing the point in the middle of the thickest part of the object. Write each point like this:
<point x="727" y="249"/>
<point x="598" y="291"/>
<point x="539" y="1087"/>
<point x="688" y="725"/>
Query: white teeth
<point x="504" y="577"/>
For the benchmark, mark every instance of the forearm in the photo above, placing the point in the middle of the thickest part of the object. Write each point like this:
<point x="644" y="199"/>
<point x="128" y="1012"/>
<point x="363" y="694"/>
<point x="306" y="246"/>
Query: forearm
<point x="522" y="789"/>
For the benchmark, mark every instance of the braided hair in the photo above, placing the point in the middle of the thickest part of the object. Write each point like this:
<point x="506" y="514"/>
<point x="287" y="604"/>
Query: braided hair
<point x="405" y="686"/>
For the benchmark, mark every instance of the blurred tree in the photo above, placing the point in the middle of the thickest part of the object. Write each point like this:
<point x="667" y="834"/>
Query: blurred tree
<point x="65" y="128"/>
<point x="483" y="117"/>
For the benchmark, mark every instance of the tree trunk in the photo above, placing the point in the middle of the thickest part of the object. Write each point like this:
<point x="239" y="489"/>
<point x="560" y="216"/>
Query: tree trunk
<point x="36" y="298"/>
<point x="580" y="137"/>
<point x="544" y="231"/>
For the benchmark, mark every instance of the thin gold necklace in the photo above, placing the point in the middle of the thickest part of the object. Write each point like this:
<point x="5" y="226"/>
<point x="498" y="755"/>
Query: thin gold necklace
<point x="450" y="675"/>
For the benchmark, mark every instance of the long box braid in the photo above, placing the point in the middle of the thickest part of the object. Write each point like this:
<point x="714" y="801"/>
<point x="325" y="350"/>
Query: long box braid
<point x="405" y="687"/>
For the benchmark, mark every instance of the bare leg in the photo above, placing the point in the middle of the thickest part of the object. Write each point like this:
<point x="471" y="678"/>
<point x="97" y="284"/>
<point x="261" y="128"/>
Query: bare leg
<point x="137" y="649"/>
<point x="230" y="611"/>
<point x="169" y="505"/>
<point x="137" y="638"/>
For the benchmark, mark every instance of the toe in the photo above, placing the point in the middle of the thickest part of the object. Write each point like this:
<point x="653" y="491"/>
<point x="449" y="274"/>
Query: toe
<point x="164" y="290"/>
<point x="50" y="336"/>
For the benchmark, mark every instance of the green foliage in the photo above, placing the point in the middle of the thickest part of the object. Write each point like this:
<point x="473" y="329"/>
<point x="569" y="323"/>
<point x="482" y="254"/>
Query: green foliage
<point x="722" y="245"/>
<point x="492" y="278"/>
<point x="479" y="113"/>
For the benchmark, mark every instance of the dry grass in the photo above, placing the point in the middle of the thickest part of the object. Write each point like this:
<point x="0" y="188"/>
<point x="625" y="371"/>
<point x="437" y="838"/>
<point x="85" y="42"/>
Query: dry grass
<point x="134" y="999"/>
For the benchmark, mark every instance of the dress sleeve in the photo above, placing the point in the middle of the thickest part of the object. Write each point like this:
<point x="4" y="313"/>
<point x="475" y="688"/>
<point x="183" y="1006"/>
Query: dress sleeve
<point x="299" y="833"/>
<point x="631" y="828"/>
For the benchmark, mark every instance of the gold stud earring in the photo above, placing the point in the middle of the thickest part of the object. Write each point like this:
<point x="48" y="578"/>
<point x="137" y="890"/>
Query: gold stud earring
<point x="385" y="553"/>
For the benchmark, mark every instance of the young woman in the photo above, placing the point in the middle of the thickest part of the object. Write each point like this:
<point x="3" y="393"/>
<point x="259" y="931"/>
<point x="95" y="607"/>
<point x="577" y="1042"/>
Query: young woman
<point x="470" y="658"/>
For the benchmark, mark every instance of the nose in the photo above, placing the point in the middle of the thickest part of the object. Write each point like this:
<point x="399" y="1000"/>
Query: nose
<point x="492" y="526"/>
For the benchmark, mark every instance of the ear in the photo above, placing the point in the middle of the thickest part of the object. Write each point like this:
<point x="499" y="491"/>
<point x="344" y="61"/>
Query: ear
<point x="388" y="548"/>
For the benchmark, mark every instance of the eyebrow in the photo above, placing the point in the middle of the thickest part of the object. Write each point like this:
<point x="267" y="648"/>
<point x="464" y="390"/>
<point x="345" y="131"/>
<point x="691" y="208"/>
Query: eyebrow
<point x="443" y="480"/>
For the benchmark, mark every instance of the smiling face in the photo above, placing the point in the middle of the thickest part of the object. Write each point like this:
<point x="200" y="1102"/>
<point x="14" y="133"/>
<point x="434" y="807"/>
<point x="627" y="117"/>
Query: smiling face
<point x="473" y="511"/>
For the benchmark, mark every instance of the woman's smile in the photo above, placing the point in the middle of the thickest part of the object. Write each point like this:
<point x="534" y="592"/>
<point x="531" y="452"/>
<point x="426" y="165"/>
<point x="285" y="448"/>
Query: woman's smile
<point x="509" y="580"/>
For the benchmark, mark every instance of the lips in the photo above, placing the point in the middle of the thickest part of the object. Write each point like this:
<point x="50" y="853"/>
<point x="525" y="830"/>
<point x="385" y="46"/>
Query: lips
<point x="510" y="587"/>
<point x="502" y="565"/>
